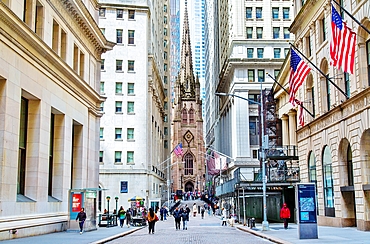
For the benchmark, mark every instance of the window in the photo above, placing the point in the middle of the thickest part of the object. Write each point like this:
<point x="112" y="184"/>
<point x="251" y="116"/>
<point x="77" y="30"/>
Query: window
<point x="275" y="13"/>
<point x="130" y="107"/>
<point x="368" y="61"/>
<point x="286" y="33"/>
<point x="101" y="156"/>
<point x="102" y="106"/>
<point x="253" y="130"/>
<point x="188" y="158"/>
<point x="131" y="65"/>
<point x="130" y="157"/>
<point x="249" y="32"/>
<point x="165" y="20"/>
<point x="102" y="62"/>
<point x="165" y="143"/>
<point x="51" y="155"/>
<point x="191" y="116"/>
<point x="118" y="133"/>
<point x="250" y="52"/>
<point x="308" y="46"/>
<point x="131" y="14"/>
<point x="328" y="183"/>
<point x="258" y="13"/>
<point x="59" y="40"/>
<point x="165" y="56"/>
<point x="276" y="73"/>
<point x="248" y="12"/>
<point x="347" y="87"/>
<point x="117" y="156"/>
<point x="102" y="12"/>
<point x="118" y="65"/>
<point x="277" y="52"/>
<point x="165" y="43"/>
<point x="22" y="155"/>
<point x="165" y="80"/>
<point x="130" y="88"/>
<point x="165" y="31"/>
<point x="184" y="116"/>
<point x="131" y="37"/>
<point x="102" y="87"/>
<point x="251" y="75"/>
<point x="78" y="61"/>
<point x="118" y="87"/>
<point x="130" y="134"/>
<point x="275" y="32"/>
<point x="101" y="134"/>
<point x="165" y="131"/>
<point x="165" y="8"/>
<point x="119" y="13"/>
<point x="259" y="52"/>
<point x="322" y="30"/>
<point x="286" y="51"/>
<point x="259" y="32"/>
<point x="328" y="101"/>
<point x="286" y="13"/>
<point x="165" y="67"/>
<point x="261" y="75"/>
<point x="118" y="106"/>
<point x="312" y="168"/>
<point x="350" y="166"/>
<point x="119" y="36"/>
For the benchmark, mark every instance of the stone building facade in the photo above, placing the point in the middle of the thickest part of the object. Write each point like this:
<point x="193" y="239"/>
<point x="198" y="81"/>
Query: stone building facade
<point x="333" y="145"/>
<point x="49" y="119"/>
<point x="187" y="125"/>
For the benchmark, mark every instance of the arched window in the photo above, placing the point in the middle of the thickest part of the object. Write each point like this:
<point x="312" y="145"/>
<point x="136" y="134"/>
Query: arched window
<point x="184" y="116"/>
<point x="191" y="116"/>
<point x="328" y="182"/>
<point x="188" y="164"/>
<point x="349" y="166"/>
<point x="312" y="168"/>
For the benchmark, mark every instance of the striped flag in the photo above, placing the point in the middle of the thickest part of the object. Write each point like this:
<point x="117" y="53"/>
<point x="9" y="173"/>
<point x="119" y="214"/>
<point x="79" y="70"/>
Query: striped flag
<point x="342" y="44"/>
<point x="178" y="150"/>
<point x="298" y="73"/>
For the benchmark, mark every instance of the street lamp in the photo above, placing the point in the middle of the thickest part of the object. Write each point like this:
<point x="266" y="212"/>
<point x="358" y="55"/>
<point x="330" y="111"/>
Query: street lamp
<point x="108" y="198"/>
<point x="116" y="204"/>
<point x="265" y="224"/>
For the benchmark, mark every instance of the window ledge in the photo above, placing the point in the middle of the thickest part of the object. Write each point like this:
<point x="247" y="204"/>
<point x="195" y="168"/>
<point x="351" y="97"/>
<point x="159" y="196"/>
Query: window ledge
<point x="23" y="198"/>
<point x="131" y="72"/>
<point x="131" y="140"/>
<point x="118" y="139"/>
<point x="103" y="70"/>
<point x="118" y="163"/>
<point x="131" y="113"/>
<point x="53" y="199"/>
<point x="102" y="139"/>
<point x="119" y="112"/>
<point x="132" y="94"/>
<point x="131" y="45"/>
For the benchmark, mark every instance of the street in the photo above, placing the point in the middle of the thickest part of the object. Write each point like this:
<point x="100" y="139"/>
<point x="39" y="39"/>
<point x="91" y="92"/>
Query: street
<point x="207" y="230"/>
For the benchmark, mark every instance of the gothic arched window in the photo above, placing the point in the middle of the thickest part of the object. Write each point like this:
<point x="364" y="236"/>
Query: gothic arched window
<point x="191" y="116"/>
<point x="184" y="116"/>
<point x="188" y="164"/>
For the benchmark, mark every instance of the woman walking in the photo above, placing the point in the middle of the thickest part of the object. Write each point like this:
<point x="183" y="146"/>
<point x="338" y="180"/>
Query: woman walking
<point x="285" y="215"/>
<point x="122" y="216"/>
<point x="152" y="218"/>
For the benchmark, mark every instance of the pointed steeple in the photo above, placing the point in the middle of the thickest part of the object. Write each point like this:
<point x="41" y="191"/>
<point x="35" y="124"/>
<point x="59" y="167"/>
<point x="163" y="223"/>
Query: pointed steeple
<point x="186" y="70"/>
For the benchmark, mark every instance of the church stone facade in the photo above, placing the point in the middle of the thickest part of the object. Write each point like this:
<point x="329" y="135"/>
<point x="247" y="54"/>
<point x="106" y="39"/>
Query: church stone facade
<point x="187" y="125"/>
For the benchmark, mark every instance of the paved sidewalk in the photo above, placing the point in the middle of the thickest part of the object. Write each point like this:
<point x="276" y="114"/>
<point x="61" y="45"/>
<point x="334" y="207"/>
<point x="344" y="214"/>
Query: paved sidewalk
<point x="277" y="234"/>
<point x="101" y="235"/>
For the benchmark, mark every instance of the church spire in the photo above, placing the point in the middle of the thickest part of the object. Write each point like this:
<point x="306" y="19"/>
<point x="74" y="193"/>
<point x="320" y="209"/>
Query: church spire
<point x="186" y="70"/>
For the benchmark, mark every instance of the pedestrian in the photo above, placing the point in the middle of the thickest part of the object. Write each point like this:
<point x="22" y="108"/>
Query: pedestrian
<point x="161" y="212"/>
<point x="81" y="217"/>
<point x="194" y="210"/>
<point x="165" y="213"/>
<point x="185" y="219"/>
<point x="122" y="216"/>
<point x="128" y="217"/>
<point x="285" y="215"/>
<point x="177" y="216"/>
<point x="202" y="212"/>
<point x="152" y="218"/>
<point x="223" y="217"/>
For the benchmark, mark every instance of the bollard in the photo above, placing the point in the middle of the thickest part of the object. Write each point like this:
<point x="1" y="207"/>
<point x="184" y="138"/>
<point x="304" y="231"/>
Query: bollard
<point x="253" y="223"/>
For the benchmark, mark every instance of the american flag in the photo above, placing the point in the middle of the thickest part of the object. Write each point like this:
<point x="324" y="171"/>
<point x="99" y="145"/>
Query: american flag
<point x="343" y="43"/>
<point x="301" y="114"/>
<point x="178" y="150"/>
<point x="298" y="73"/>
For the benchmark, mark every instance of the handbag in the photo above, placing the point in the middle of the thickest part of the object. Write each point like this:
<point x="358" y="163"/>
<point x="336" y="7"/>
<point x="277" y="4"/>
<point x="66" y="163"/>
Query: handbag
<point x="156" y="218"/>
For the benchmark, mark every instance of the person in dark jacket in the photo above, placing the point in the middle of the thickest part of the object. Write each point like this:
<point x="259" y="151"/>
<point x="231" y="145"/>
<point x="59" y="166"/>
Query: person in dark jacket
<point x="177" y="216"/>
<point x="81" y="217"/>
<point x="185" y="218"/>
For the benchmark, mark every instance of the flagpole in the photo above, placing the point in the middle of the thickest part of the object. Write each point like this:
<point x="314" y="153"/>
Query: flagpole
<point x="320" y="71"/>
<point x="288" y="94"/>
<point x="352" y="17"/>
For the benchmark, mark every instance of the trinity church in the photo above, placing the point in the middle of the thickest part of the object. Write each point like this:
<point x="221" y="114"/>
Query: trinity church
<point x="188" y="169"/>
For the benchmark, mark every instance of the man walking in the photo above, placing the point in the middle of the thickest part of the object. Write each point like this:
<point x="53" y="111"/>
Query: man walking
<point x="177" y="215"/>
<point x="81" y="217"/>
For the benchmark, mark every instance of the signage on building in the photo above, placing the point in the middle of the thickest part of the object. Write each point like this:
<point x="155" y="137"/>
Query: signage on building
<point x="76" y="202"/>
<point x="124" y="186"/>
<point x="307" y="203"/>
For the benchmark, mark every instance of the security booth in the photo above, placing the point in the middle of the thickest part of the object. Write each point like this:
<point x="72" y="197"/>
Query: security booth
<point x="83" y="198"/>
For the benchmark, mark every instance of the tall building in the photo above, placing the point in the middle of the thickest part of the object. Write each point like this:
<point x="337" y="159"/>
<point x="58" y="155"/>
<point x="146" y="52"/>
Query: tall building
<point x="253" y="41"/>
<point x="50" y="116"/>
<point x="135" y="129"/>
<point x="187" y="169"/>
<point x="333" y="144"/>
<point x="175" y="43"/>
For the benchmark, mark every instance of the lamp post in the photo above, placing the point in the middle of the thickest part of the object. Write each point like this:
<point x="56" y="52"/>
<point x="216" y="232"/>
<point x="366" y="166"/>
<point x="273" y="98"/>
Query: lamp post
<point x="116" y="204"/>
<point x="265" y="224"/>
<point x="108" y="198"/>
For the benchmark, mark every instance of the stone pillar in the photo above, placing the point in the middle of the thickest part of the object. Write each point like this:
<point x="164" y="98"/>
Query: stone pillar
<point x="285" y="130"/>
<point x="292" y="127"/>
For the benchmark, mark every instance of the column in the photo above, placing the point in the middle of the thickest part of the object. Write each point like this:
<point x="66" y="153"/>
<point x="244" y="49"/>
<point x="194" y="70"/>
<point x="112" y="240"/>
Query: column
<point x="292" y="127"/>
<point x="285" y="130"/>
